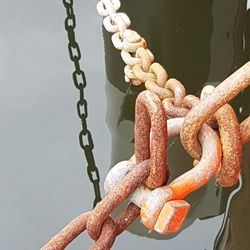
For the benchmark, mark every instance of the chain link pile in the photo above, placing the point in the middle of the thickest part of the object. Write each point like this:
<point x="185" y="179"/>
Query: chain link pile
<point x="209" y="132"/>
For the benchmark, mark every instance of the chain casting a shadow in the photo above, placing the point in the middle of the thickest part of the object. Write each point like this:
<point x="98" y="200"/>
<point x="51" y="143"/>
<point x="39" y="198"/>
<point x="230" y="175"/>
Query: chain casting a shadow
<point x="79" y="79"/>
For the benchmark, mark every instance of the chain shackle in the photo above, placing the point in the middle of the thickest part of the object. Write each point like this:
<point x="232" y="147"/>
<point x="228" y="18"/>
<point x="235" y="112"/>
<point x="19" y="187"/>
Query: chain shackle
<point x="163" y="208"/>
<point x="153" y="213"/>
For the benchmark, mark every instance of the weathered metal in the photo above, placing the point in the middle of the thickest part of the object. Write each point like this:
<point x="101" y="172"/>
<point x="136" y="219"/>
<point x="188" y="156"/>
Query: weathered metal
<point x="68" y="234"/>
<point x="190" y="101"/>
<point x="152" y="201"/>
<point x="162" y="209"/>
<point x="171" y="110"/>
<point x="172" y="216"/>
<point x="189" y="181"/>
<point x="115" y="197"/>
<point x="178" y="89"/>
<point x="110" y="230"/>
<point x="229" y="130"/>
<point x="245" y="130"/>
<point x="163" y="93"/>
<point x="222" y="94"/>
<point x="150" y="116"/>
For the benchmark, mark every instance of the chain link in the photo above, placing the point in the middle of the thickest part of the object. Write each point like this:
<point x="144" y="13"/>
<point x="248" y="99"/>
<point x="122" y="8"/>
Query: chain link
<point x="79" y="79"/>
<point x="162" y="209"/>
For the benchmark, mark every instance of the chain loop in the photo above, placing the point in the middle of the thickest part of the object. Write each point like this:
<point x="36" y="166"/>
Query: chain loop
<point x="108" y="7"/>
<point x="171" y="110"/>
<point x="245" y="130"/>
<point x="130" y="76"/>
<point x="227" y="90"/>
<point x="118" y="23"/>
<point x="229" y="171"/>
<point x="118" y="194"/>
<point x="163" y="93"/>
<point x="161" y="74"/>
<point x="178" y="89"/>
<point x="79" y="79"/>
<point x="130" y="42"/>
<point x="150" y="116"/>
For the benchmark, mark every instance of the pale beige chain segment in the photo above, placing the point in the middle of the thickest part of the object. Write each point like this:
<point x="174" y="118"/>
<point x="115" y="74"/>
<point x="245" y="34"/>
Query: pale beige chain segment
<point x="140" y="66"/>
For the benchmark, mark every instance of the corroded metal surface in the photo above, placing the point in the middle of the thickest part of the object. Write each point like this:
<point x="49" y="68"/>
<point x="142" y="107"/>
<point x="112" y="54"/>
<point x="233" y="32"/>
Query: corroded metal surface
<point x="150" y="114"/>
<point x="229" y="170"/>
<point x="114" y="227"/>
<point x="152" y="201"/>
<point x="162" y="208"/>
<point x="190" y="101"/>
<point x="107" y="237"/>
<point x="127" y="217"/>
<point x="245" y="130"/>
<point x="110" y="230"/>
<point x="178" y="89"/>
<point x="163" y="93"/>
<point x="115" y="197"/>
<point x="68" y="234"/>
<point x="171" y="110"/>
<point x="222" y="94"/>
<point x="189" y="181"/>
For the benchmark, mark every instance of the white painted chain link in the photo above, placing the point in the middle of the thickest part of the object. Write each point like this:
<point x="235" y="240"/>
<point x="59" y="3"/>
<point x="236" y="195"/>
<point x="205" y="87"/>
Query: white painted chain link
<point x="139" y="60"/>
<point x="108" y="7"/>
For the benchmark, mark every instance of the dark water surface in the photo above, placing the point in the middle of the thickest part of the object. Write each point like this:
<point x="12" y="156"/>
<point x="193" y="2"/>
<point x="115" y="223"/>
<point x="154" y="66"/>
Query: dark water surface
<point x="43" y="181"/>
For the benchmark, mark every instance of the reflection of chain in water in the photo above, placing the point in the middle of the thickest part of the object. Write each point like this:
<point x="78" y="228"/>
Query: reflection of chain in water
<point x="85" y="137"/>
<point x="223" y="234"/>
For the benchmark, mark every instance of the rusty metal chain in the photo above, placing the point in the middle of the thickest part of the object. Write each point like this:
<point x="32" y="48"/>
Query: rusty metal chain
<point x="100" y="226"/>
<point x="161" y="208"/>
<point x="150" y="116"/>
<point x="229" y="171"/>
<point x="79" y="79"/>
<point x="111" y="229"/>
<point x="199" y="114"/>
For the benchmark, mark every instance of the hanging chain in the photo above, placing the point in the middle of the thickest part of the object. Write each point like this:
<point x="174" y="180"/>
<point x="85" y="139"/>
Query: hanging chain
<point x="79" y="79"/>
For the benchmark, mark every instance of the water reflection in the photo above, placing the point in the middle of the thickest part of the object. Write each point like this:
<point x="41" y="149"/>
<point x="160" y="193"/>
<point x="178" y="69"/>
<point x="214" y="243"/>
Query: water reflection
<point x="199" y="42"/>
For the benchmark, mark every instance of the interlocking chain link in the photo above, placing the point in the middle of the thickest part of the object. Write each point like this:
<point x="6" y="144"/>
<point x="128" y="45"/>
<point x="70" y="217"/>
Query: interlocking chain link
<point x="79" y="79"/>
<point x="162" y="209"/>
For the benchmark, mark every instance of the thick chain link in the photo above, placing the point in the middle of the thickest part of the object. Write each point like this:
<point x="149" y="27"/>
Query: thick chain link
<point x="162" y="209"/>
<point x="79" y="79"/>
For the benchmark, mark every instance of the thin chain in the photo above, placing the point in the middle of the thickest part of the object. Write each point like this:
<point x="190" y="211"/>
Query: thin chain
<point x="79" y="79"/>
